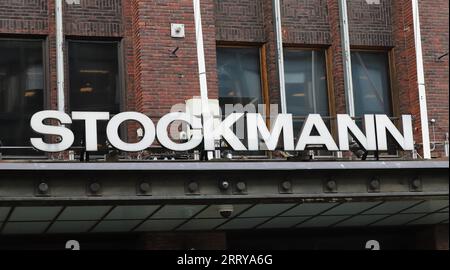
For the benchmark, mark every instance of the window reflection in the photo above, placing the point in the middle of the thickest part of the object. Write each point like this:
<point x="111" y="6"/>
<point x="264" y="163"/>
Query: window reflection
<point x="239" y="76"/>
<point x="94" y="83"/>
<point x="306" y="84"/>
<point x="370" y="71"/>
<point x="21" y="91"/>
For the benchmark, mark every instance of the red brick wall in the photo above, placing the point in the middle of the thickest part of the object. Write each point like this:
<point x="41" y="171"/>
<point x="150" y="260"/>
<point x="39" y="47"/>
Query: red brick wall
<point x="239" y="20"/>
<point x="305" y="22"/>
<point x="405" y="63"/>
<point x="20" y="16"/>
<point x="336" y="52"/>
<point x="94" y="18"/>
<point x="434" y="23"/>
<point x="271" y="54"/>
<point x="161" y="80"/>
<point x="370" y="24"/>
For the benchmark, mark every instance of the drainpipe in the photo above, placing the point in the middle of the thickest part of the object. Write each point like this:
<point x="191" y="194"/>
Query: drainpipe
<point x="280" y="54"/>
<point x="59" y="55"/>
<point x="207" y="118"/>
<point x="346" y="55"/>
<point x="421" y="82"/>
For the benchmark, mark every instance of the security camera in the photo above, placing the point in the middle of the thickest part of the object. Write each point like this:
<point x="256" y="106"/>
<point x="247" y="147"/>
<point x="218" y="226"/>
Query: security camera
<point x="225" y="211"/>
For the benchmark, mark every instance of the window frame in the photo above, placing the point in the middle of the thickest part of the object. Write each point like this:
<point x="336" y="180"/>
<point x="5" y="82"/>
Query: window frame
<point x="120" y="69"/>
<point x="390" y="54"/>
<point x="394" y="90"/>
<point x="121" y="85"/>
<point x="264" y="77"/>
<point x="330" y="81"/>
<point x="46" y="91"/>
<point x="328" y="72"/>
<point x="262" y="48"/>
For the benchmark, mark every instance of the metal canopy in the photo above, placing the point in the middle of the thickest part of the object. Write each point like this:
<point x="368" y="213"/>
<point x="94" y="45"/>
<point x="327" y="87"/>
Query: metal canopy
<point x="57" y="198"/>
<point x="156" y="218"/>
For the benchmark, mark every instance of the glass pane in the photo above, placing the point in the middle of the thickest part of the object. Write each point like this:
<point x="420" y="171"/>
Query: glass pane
<point x="239" y="76"/>
<point x="306" y="82"/>
<point x="21" y="90"/>
<point x="371" y="85"/>
<point x="94" y="83"/>
<point x="306" y="85"/>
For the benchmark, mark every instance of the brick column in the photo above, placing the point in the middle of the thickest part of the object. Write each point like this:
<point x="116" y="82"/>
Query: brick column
<point x="271" y="53"/>
<point x="338" y="65"/>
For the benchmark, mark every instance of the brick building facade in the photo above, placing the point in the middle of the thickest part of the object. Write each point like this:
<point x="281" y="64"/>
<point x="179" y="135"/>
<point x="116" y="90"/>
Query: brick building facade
<point x="153" y="81"/>
<point x="156" y="71"/>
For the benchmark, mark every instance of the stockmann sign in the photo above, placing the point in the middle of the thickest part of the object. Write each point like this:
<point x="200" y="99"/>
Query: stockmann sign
<point x="206" y="130"/>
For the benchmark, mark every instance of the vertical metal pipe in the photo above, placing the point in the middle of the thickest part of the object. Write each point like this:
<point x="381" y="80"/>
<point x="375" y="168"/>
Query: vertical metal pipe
<point x="313" y="81"/>
<point x="346" y="55"/>
<point x="59" y="55"/>
<point x="201" y="57"/>
<point x="421" y="82"/>
<point x="280" y="54"/>
<point x="207" y="118"/>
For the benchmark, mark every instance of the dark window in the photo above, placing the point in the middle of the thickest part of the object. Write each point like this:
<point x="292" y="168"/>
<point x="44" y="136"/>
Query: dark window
<point x="21" y="91"/>
<point x="239" y="74"/>
<point x="94" y="83"/>
<point x="371" y="85"/>
<point x="306" y="82"/>
<point x="240" y="83"/>
<point x="306" y="85"/>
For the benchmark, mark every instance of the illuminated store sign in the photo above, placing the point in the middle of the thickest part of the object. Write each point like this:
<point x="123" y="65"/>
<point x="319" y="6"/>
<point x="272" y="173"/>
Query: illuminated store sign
<point x="208" y="131"/>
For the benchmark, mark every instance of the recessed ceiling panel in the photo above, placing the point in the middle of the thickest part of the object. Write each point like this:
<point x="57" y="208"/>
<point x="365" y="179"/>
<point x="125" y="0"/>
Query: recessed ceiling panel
<point x="178" y="211"/>
<point x="431" y="219"/>
<point x="34" y="213"/>
<point x="201" y="224"/>
<point x="71" y="226"/>
<point x="321" y="221"/>
<point x="159" y="225"/>
<point x="265" y="210"/>
<point x="359" y="221"/>
<point x="108" y="226"/>
<point x="397" y="220"/>
<point x="390" y="207"/>
<point x="282" y="222"/>
<point x="212" y="211"/>
<point x="428" y="207"/>
<point x="84" y="213"/>
<point x="308" y="209"/>
<point x="350" y="208"/>
<point x="242" y="223"/>
<point x="25" y="227"/>
<point x="4" y="212"/>
<point x="131" y="212"/>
